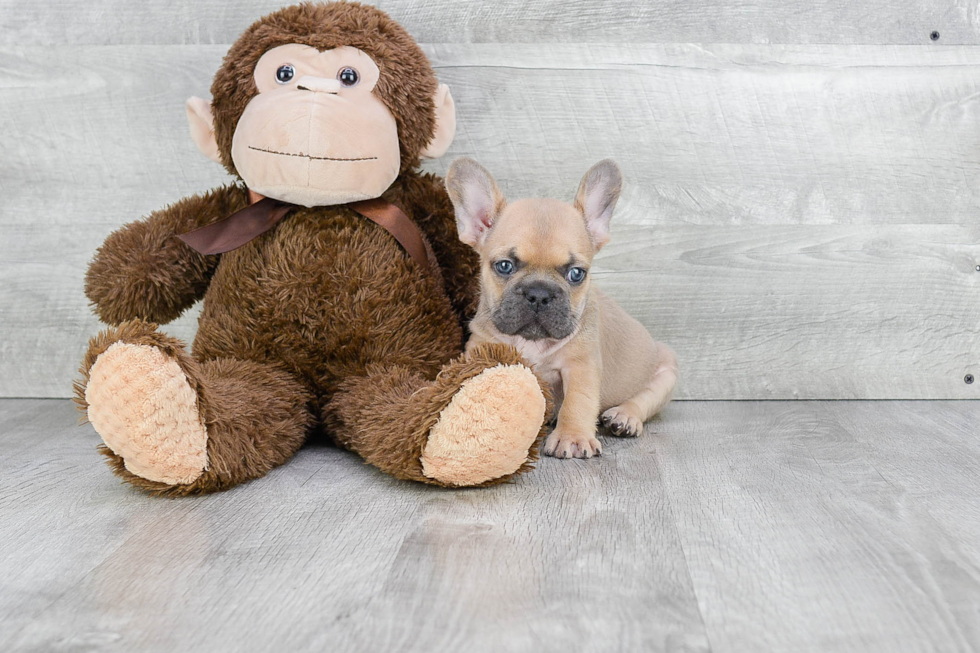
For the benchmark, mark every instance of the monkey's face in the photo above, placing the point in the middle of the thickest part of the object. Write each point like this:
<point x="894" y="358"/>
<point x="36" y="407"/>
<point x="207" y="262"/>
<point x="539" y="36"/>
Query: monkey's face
<point x="323" y="103"/>
<point x="316" y="134"/>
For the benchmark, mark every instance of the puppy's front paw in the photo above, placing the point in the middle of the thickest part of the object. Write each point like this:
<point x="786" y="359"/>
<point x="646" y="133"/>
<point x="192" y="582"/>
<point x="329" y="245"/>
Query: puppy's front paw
<point x="568" y="444"/>
<point x="621" y="422"/>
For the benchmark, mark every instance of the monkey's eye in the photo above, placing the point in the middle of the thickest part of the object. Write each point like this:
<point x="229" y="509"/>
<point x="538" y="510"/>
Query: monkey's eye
<point x="348" y="76"/>
<point x="504" y="267"/>
<point x="575" y="275"/>
<point x="285" y="74"/>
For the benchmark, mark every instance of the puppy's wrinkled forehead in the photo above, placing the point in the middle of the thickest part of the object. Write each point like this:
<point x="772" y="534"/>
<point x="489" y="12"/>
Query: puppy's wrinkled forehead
<point x="543" y="232"/>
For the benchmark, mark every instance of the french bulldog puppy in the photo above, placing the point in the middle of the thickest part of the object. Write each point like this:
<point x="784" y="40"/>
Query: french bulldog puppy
<point x="537" y="295"/>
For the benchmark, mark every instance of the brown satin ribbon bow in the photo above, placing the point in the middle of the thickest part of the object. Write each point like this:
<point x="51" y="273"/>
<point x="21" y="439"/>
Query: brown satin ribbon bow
<point x="261" y="216"/>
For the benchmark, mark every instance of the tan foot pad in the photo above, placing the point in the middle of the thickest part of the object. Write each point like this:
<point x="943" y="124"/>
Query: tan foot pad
<point x="141" y="404"/>
<point x="487" y="429"/>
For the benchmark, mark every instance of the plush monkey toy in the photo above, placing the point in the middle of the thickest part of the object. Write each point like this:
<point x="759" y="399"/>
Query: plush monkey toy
<point x="334" y="285"/>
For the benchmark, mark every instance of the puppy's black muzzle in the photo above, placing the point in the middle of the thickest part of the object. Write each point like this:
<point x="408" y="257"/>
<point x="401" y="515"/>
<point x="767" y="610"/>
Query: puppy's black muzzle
<point x="535" y="310"/>
<point x="540" y="295"/>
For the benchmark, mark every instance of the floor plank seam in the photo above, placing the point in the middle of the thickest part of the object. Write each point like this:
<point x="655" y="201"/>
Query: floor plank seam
<point x="680" y="541"/>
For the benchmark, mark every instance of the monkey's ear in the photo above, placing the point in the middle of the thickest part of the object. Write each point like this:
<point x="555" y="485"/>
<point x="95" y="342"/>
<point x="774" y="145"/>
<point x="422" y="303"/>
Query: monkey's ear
<point x="476" y="198"/>
<point x="445" y="124"/>
<point x="596" y="199"/>
<point x="202" y="127"/>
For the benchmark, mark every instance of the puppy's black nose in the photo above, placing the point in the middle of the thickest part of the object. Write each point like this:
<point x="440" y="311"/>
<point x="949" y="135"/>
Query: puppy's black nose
<point x="539" y="295"/>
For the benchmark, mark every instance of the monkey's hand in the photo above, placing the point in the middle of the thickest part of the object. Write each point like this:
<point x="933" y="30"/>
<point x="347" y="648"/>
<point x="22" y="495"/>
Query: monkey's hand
<point x="143" y="271"/>
<point x="460" y="265"/>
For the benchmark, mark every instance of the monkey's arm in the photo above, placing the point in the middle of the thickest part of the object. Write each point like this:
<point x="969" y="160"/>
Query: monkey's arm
<point x="143" y="271"/>
<point x="460" y="264"/>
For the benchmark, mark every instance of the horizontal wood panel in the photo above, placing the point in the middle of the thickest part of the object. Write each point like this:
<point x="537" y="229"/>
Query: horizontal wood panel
<point x="802" y="215"/>
<point x="57" y="22"/>
<point x="777" y="312"/>
<point x="731" y="134"/>
<point x="46" y="321"/>
<point x="721" y="135"/>
<point x="806" y="312"/>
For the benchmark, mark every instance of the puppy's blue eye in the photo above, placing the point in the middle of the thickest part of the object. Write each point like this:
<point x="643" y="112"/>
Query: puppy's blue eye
<point x="504" y="267"/>
<point x="575" y="275"/>
<point x="285" y="74"/>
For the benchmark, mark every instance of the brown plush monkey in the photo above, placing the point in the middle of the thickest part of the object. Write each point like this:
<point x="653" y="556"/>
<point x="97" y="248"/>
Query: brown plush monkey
<point x="322" y="320"/>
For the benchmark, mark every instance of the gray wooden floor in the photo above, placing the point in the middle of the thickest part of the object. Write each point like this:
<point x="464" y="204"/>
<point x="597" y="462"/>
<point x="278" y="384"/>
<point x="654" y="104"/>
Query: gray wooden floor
<point x="746" y="526"/>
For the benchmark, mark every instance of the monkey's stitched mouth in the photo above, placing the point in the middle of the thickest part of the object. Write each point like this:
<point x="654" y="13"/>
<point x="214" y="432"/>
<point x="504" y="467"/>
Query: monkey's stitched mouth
<point x="310" y="156"/>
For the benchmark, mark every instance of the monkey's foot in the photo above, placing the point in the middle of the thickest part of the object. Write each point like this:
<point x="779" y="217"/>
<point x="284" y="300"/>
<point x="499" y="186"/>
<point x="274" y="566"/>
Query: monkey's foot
<point x="488" y="428"/>
<point x="140" y="402"/>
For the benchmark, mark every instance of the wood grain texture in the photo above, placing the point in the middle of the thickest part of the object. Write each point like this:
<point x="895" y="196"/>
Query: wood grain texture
<point x="329" y="554"/>
<point x="841" y="526"/>
<point x="705" y="135"/>
<point x="729" y="134"/>
<point x="46" y="321"/>
<point x="727" y="526"/>
<point x="798" y="221"/>
<point x="57" y="22"/>
<point x="791" y="311"/>
<point x="805" y="311"/>
<point x="51" y="495"/>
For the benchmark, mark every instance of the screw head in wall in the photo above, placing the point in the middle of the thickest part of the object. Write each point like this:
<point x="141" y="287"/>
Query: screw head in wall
<point x="934" y="36"/>
<point x="968" y="378"/>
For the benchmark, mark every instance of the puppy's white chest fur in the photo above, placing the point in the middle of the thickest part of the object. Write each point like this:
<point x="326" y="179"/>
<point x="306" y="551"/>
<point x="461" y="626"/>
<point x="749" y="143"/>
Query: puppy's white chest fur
<point x="541" y="354"/>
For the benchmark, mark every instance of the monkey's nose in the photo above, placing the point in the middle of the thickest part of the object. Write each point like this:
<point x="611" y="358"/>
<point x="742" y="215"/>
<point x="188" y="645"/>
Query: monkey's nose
<point x="318" y="84"/>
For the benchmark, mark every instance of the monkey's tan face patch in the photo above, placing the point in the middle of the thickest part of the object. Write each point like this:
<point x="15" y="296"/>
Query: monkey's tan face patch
<point x="316" y="134"/>
<point x="141" y="404"/>
<point x="487" y="429"/>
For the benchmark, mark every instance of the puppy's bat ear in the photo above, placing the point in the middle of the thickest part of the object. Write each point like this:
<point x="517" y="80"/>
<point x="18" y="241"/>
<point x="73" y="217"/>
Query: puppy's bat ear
<point x="596" y="199"/>
<point x="476" y="198"/>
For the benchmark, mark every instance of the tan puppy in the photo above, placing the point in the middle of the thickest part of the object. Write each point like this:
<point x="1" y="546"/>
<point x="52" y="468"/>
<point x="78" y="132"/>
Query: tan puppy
<point x="537" y="295"/>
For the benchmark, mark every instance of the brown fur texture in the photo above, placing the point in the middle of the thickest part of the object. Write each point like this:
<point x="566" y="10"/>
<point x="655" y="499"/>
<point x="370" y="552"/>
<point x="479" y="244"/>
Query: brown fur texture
<point x="406" y="86"/>
<point x="256" y="416"/>
<point x="393" y="409"/>
<point x="143" y="271"/>
<point x="324" y="321"/>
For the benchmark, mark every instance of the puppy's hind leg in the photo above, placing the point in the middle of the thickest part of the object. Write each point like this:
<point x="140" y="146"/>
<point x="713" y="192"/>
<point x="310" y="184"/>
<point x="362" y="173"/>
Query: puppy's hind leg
<point x="626" y="419"/>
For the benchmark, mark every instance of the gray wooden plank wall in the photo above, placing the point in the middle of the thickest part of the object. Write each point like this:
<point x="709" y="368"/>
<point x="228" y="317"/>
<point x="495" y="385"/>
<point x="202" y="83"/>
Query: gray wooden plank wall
<point x="800" y="219"/>
<point x="879" y="22"/>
